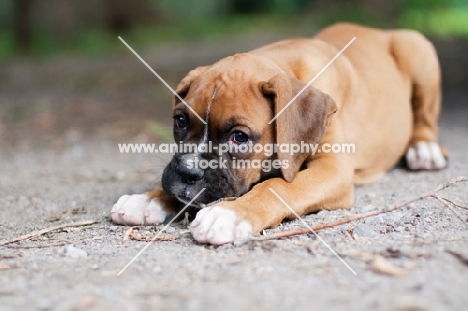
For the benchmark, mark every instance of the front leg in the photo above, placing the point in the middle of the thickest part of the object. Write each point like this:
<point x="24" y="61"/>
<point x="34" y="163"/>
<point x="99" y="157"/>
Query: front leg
<point x="151" y="208"/>
<point x="327" y="183"/>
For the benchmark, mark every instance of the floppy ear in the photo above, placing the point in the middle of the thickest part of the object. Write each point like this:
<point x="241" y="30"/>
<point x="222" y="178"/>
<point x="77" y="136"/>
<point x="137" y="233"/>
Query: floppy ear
<point x="184" y="85"/>
<point x="305" y="120"/>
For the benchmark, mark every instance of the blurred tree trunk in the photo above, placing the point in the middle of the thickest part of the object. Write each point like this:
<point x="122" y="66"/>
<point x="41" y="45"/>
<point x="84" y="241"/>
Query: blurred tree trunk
<point x="247" y="6"/>
<point x="62" y="19"/>
<point x="123" y="14"/>
<point x="22" y="25"/>
<point x="386" y="8"/>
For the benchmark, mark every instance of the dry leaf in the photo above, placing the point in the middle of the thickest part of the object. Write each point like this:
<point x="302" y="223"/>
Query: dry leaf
<point x="381" y="265"/>
<point x="127" y="234"/>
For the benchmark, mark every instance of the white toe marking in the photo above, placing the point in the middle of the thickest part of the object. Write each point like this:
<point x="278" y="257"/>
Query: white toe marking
<point x="132" y="211"/>
<point x="115" y="215"/>
<point x="137" y="209"/>
<point x="425" y="156"/>
<point x="218" y="225"/>
<point x="154" y="213"/>
<point x="438" y="159"/>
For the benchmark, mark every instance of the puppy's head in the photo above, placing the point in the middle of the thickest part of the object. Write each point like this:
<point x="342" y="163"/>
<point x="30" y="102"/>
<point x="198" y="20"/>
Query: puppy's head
<point x="236" y="98"/>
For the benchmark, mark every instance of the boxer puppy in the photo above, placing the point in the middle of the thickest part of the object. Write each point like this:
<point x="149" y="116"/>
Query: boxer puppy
<point x="382" y="95"/>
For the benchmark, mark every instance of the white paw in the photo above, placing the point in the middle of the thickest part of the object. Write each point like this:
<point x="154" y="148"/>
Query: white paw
<point x="425" y="156"/>
<point x="218" y="225"/>
<point x="137" y="210"/>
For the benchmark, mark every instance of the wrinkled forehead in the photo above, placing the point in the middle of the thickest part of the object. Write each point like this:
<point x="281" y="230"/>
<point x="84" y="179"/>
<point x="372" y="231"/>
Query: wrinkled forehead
<point x="243" y="100"/>
<point x="234" y="73"/>
<point x="229" y="90"/>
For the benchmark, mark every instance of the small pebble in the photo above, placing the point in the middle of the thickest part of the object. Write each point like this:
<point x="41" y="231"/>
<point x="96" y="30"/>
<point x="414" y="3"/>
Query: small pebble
<point x="121" y="175"/>
<point x="363" y="231"/>
<point x="395" y="216"/>
<point x="74" y="252"/>
<point x="169" y="229"/>
<point x="399" y="229"/>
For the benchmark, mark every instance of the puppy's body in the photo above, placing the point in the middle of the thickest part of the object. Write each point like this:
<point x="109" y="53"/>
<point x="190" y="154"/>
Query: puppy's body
<point x="382" y="94"/>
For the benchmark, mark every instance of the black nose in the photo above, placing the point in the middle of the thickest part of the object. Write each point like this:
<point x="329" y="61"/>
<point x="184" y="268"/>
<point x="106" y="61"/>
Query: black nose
<point x="187" y="168"/>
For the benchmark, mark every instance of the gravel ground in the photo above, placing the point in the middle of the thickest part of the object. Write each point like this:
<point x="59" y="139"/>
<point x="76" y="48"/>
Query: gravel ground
<point x="60" y="164"/>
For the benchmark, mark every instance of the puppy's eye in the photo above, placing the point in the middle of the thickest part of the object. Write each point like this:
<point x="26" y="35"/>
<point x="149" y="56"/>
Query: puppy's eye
<point x="239" y="137"/>
<point x="180" y="122"/>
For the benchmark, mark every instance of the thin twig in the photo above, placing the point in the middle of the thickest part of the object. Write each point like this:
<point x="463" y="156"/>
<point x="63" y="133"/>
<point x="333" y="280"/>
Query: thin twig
<point x="427" y="194"/>
<point x="46" y="230"/>
<point x="448" y="203"/>
<point x="57" y="243"/>
<point x="456" y="204"/>
<point x="463" y="259"/>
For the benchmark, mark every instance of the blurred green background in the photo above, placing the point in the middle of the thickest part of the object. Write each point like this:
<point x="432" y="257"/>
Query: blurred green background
<point x="50" y="27"/>
<point x="64" y="75"/>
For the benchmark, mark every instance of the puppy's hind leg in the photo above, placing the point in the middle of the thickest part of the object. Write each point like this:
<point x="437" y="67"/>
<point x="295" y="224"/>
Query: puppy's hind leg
<point x="417" y="58"/>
